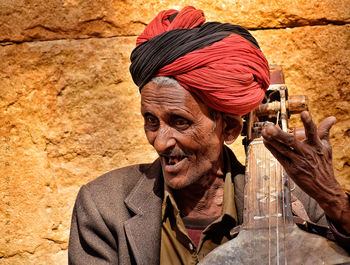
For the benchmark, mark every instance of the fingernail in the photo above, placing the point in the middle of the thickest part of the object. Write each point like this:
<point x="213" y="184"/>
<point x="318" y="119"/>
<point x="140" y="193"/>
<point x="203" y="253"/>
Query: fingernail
<point x="305" y="115"/>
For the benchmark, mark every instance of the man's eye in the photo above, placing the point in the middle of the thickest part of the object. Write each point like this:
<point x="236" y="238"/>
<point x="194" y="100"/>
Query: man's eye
<point x="151" y="121"/>
<point x="181" y="123"/>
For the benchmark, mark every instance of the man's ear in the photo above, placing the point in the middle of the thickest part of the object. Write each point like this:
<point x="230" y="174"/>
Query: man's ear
<point x="233" y="125"/>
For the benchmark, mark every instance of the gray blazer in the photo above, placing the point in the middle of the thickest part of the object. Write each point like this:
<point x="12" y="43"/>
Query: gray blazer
<point x="117" y="217"/>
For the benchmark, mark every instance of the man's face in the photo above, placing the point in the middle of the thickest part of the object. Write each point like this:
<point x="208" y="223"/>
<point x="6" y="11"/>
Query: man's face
<point x="180" y="129"/>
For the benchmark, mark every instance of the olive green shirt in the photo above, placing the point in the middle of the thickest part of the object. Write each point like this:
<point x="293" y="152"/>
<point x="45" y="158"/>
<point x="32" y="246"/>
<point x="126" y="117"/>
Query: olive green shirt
<point x="176" y="245"/>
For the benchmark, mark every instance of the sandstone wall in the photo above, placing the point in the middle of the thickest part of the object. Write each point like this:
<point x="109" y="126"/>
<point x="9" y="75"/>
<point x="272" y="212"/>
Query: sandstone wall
<point x="69" y="111"/>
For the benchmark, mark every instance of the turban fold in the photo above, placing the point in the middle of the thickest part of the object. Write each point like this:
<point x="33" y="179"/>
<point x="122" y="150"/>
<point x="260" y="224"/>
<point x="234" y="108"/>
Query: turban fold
<point x="221" y="63"/>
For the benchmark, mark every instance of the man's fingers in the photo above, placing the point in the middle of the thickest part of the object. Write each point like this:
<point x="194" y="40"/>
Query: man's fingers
<point x="325" y="126"/>
<point x="280" y="148"/>
<point x="284" y="161"/>
<point x="310" y="129"/>
<point x="273" y="134"/>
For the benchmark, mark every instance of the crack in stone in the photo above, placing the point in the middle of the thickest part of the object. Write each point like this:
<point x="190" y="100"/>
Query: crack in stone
<point x="99" y="19"/>
<point x="54" y="30"/>
<point x="56" y="241"/>
<point x="9" y="43"/>
<point x="11" y="103"/>
<point x="92" y="20"/>
<point x="295" y="24"/>
<point x="61" y="31"/>
<point x="60" y="92"/>
<point x="102" y="19"/>
<point x="139" y="22"/>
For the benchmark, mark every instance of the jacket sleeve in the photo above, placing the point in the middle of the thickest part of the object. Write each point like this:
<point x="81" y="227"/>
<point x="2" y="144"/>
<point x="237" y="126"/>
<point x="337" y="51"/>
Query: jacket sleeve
<point x="90" y="242"/>
<point x="319" y="223"/>
<point x="340" y="236"/>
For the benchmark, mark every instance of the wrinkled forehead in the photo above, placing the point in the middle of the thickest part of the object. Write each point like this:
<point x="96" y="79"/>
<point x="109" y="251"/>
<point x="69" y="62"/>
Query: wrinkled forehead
<point x="171" y="97"/>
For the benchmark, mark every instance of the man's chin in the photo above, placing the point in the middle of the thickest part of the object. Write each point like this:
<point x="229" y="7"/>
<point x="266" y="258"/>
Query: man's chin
<point x="178" y="182"/>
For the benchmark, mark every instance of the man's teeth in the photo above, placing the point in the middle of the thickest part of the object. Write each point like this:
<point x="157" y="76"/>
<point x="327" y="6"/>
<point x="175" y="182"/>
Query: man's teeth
<point x="172" y="160"/>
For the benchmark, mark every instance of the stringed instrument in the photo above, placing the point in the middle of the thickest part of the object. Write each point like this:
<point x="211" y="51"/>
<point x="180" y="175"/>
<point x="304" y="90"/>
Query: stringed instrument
<point x="268" y="234"/>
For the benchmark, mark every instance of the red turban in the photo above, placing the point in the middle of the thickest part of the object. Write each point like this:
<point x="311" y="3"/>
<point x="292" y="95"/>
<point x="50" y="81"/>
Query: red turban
<point x="221" y="63"/>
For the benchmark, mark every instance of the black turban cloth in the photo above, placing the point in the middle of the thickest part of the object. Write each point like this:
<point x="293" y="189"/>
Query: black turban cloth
<point x="163" y="49"/>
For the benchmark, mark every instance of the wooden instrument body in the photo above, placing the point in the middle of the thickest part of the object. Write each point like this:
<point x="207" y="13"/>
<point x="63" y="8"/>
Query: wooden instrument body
<point x="268" y="234"/>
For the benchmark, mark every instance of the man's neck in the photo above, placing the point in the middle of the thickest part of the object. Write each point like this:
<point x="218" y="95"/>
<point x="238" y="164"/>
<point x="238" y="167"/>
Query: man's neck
<point x="203" y="199"/>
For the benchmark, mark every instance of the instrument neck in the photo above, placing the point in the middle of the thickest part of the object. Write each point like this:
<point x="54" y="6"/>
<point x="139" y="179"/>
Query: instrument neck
<point x="267" y="194"/>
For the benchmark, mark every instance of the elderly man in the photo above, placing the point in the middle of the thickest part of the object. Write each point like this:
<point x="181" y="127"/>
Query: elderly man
<point x="196" y="80"/>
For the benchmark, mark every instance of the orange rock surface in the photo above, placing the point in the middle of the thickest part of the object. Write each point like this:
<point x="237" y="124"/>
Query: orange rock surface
<point x="70" y="112"/>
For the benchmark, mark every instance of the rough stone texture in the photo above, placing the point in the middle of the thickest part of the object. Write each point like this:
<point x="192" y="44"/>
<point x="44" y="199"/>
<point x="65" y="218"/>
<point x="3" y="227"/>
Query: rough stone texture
<point x="69" y="111"/>
<point x="68" y="114"/>
<point x="47" y="20"/>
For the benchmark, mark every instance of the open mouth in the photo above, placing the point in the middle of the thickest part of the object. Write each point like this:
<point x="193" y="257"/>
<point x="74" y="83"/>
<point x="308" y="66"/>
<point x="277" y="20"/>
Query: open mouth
<point x="173" y="160"/>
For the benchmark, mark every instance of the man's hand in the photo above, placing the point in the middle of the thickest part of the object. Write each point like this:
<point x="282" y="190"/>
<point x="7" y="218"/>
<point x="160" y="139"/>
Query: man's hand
<point x="309" y="164"/>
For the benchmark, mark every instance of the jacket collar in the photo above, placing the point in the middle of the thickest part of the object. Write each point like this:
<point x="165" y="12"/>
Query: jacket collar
<point x="145" y="200"/>
<point x="237" y="171"/>
<point x="144" y="229"/>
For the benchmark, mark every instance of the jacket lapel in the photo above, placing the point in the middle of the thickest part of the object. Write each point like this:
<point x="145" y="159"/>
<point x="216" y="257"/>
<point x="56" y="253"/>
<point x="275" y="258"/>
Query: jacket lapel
<point x="239" y="196"/>
<point x="238" y="173"/>
<point x="144" y="229"/>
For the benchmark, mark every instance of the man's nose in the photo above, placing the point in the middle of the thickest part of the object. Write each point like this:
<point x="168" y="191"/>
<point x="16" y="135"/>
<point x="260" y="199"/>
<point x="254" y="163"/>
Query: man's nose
<point x="164" y="139"/>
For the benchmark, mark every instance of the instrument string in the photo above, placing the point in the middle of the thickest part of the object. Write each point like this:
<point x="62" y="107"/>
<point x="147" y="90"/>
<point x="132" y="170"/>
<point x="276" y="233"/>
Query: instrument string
<point x="277" y="188"/>
<point x="268" y="174"/>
